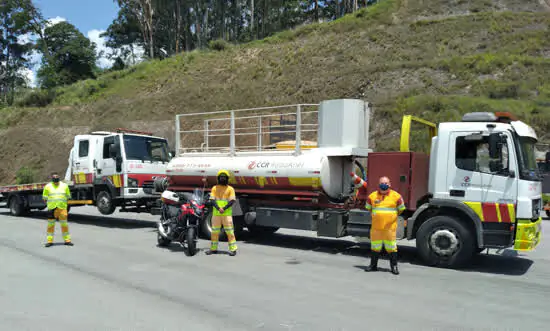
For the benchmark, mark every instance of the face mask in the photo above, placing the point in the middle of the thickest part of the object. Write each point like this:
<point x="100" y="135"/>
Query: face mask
<point x="222" y="180"/>
<point x="55" y="180"/>
<point x="384" y="186"/>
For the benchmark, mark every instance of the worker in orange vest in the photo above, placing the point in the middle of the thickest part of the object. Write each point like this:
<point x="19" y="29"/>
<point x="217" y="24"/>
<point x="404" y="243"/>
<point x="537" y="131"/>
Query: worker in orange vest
<point x="385" y="206"/>
<point x="223" y="196"/>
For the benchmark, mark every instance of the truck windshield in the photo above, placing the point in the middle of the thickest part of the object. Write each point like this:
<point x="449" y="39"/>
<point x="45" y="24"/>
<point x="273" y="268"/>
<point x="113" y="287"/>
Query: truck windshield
<point x="146" y="148"/>
<point x="529" y="169"/>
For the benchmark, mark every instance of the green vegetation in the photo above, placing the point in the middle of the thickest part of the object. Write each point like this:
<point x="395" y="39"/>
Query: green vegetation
<point x="25" y="175"/>
<point x="434" y="59"/>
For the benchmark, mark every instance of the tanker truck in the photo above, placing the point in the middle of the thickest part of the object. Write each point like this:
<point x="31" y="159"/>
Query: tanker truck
<point x="478" y="186"/>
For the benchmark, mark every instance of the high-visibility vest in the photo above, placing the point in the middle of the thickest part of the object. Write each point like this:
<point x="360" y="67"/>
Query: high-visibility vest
<point x="222" y="195"/>
<point x="384" y="209"/>
<point x="56" y="196"/>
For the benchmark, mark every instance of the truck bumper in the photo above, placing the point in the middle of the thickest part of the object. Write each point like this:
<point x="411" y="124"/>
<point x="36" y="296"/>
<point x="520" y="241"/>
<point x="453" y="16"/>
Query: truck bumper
<point x="528" y="234"/>
<point x="138" y="193"/>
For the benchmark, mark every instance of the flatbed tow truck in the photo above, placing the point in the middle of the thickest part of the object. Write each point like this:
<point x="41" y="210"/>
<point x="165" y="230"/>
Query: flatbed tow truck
<point x="106" y="170"/>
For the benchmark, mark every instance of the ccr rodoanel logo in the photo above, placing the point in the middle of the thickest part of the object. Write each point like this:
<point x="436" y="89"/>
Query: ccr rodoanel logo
<point x="277" y="165"/>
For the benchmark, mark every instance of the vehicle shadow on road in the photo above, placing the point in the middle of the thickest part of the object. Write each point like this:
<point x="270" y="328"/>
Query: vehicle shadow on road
<point x="102" y="221"/>
<point x="507" y="262"/>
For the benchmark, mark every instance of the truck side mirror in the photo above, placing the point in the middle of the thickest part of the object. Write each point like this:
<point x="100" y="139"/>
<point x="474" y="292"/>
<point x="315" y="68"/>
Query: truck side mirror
<point x="112" y="151"/>
<point x="495" y="145"/>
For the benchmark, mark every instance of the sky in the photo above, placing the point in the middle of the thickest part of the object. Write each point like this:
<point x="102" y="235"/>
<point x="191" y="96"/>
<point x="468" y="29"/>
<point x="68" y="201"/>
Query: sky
<point x="91" y="17"/>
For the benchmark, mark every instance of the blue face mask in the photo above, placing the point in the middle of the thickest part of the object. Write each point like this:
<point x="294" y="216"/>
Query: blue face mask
<point x="384" y="186"/>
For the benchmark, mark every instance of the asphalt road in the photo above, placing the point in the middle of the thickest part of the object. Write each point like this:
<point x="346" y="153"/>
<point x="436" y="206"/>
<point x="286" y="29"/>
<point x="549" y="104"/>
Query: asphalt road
<point x="115" y="278"/>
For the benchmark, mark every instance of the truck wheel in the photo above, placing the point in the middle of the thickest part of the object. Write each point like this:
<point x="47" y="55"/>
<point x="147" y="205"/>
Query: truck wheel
<point x="105" y="203"/>
<point x="206" y="228"/>
<point x="257" y="230"/>
<point x="443" y="241"/>
<point x="16" y="206"/>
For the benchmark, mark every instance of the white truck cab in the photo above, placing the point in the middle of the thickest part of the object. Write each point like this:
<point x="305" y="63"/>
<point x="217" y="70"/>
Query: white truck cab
<point x="121" y="166"/>
<point x="483" y="174"/>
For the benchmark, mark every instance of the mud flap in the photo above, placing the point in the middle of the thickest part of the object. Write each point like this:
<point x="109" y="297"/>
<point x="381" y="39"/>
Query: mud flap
<point x="528" y="234"/>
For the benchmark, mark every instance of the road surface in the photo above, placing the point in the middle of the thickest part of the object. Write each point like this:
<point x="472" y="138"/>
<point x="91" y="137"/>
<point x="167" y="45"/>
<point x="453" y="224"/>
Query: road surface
<point x="115" y="278"/>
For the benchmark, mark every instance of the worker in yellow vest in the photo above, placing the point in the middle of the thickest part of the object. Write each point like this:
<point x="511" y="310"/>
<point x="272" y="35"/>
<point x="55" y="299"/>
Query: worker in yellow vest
<point x="223" y="196"/>
<point x="385" y="206"/>
<point x="56" y="194"/>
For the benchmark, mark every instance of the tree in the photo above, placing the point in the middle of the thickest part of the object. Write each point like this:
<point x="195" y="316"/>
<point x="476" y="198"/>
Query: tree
<point x="172" y="25"/>
<point x="123" y="36"/>
<point x="14" y="24"/>
<point x="72" y="56"/>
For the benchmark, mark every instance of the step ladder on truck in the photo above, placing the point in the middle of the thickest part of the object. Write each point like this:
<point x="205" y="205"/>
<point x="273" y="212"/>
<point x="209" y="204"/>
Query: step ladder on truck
<point x="476" y="188"/>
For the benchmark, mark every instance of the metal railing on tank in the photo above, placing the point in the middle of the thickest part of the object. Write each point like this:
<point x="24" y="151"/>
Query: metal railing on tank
<point x="249" y="130"/>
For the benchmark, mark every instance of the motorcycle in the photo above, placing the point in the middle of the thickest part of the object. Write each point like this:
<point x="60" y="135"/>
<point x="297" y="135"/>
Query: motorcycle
<point x="181" y="216"/>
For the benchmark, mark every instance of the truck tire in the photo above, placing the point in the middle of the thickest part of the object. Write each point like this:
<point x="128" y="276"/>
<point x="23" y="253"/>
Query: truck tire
<point x="443" y="241"/>
<point x="206" y="228"/>
<point x="16" y="206"/>
<point x="104" y="203"/>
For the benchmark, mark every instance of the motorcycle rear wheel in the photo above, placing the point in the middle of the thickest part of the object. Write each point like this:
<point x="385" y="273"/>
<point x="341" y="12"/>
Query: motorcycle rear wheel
<point x="161" y="241"/>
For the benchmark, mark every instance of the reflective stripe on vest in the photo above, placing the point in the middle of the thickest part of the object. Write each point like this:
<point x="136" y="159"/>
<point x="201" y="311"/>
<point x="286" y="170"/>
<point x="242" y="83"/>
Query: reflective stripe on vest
<point x="383" y="210"/>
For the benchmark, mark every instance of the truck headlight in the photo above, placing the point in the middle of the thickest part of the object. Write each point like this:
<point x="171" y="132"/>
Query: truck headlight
<point x="132" y="182"/>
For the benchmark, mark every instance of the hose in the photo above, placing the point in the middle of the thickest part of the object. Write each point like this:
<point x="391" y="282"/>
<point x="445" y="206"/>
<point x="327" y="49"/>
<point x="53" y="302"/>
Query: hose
<point x="363" y="173"/>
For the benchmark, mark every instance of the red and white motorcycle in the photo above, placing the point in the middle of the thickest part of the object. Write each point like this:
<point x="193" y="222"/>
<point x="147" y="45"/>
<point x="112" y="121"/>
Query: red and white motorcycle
<point x="181" y="216"/>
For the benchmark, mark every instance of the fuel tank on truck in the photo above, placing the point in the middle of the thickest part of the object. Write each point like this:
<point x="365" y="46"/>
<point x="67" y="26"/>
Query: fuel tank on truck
<point x="342" y="128"/>
<point x="312" y="171"/>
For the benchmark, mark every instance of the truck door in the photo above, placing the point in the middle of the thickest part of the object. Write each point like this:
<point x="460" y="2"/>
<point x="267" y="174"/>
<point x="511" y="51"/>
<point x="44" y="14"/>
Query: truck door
<point x="109" y="163"/>
<point x="82" y="169"/>
<point x="470" y="179"/>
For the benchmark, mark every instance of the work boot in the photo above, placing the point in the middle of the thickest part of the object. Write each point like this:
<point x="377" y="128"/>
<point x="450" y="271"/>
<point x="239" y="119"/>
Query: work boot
<point x="210" y="252"/>
<point x="232" y="253"/>
<point x="48" y="245"/>
<point x="373" y="262"/>
<point x="69" y="243"/>
<point x="393" y="263"/>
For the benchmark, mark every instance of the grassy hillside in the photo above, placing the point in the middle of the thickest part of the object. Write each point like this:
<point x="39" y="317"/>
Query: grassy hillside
<point x="432" y="58"/>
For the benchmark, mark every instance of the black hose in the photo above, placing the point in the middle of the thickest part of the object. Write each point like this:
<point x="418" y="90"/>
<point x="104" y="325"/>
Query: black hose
<point x="364" y="175"/>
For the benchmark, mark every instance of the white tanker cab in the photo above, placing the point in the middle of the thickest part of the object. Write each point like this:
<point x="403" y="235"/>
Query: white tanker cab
<point x="459" y="199"/>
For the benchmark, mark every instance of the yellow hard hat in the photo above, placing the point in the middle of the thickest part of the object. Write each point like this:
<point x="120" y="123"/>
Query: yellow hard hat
<point x="223" y="172"/>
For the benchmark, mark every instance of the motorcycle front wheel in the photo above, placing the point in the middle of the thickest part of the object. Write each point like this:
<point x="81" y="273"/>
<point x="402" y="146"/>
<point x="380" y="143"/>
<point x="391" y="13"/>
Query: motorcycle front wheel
<point x="190" y="238"/>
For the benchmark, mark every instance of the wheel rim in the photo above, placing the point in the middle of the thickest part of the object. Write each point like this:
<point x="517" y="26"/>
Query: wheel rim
<point x="444" y="242"/>
<point x="104" y="202"/>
